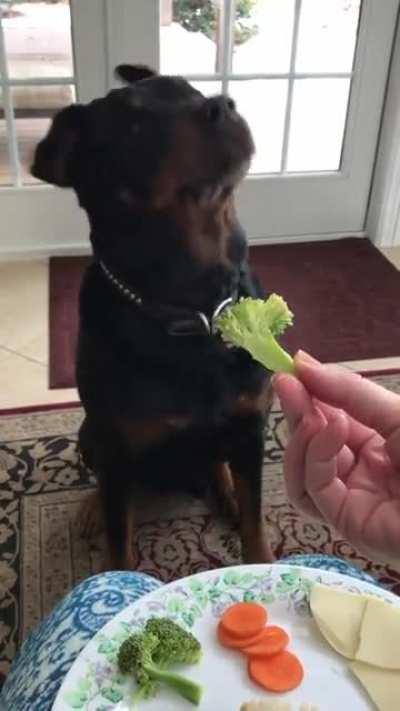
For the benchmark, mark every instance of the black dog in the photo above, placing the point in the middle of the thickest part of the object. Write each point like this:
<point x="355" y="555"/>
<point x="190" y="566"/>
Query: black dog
<point x="155" y="165"/>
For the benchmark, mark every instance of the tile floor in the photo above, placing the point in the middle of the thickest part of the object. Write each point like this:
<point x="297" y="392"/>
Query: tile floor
<point x="24" y="336"/>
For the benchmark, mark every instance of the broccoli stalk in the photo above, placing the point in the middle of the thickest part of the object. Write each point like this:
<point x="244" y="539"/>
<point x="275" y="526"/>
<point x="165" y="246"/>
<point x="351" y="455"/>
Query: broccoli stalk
<point x="148" y="654"/>
<point x="253" y="324"/>
<point x="187" y="688"/>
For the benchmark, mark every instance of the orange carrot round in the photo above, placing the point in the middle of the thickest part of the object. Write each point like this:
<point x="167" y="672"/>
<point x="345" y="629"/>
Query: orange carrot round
<point x="227" y="640"/>
<point x="271" y="640"/>
<point x="280" y="673"/>
<point x="244" y="619"/>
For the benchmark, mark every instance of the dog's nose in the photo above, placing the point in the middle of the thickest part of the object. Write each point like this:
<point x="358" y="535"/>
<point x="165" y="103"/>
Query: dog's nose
<point x="219" y="108"/>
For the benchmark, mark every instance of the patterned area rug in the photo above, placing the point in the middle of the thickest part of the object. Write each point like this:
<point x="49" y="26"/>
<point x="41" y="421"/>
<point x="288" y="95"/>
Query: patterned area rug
<point x="42" y="557"/>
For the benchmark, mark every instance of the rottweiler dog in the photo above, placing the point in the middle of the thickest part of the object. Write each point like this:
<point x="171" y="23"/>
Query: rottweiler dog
<point x="169" y="407"/>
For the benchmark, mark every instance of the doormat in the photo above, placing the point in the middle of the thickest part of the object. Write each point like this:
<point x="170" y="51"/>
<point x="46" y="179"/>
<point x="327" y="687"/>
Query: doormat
<point x="344" y="293"/>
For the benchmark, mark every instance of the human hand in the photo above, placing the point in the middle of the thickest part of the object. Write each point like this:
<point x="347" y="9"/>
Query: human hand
<point x="342" y="462"/>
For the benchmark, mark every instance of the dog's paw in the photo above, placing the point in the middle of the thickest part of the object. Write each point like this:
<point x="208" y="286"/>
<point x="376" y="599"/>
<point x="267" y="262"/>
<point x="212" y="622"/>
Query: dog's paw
<point x="257" y="551"/>
<point x="225" y="493"/>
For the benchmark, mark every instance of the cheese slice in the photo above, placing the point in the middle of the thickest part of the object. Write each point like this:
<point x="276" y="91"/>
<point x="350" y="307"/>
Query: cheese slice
<point x="380" y="635"/>
<point x="382" y="685"/>
<point x="338" y="615"/>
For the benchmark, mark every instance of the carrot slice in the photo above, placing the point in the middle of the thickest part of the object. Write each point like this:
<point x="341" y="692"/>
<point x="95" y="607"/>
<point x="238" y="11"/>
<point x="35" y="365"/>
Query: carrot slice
<point x="282" y="672"/>
<point x="244" y="619"/>
<point x="272" y="640"/>
<point x="227" y="640"/>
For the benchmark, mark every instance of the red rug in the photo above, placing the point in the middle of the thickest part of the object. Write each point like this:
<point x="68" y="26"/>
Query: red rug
<point x="345" y="295"/>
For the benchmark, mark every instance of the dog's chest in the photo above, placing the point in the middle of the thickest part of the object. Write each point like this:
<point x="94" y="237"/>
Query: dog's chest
<point x="207" y="380"/>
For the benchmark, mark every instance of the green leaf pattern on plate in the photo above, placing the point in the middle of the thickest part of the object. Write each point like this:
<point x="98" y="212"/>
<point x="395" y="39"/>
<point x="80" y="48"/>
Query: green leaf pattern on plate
<point x="185" y="604"/>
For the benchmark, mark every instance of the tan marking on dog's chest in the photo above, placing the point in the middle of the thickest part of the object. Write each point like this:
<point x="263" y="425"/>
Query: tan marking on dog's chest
<point x="140" y="434"/>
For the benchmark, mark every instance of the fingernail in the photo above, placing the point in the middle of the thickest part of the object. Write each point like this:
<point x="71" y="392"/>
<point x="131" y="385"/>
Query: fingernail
<point x="306" y="358"/>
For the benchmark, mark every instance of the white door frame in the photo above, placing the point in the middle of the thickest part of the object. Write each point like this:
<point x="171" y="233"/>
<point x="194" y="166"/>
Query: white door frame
<point x="383" y="223"/>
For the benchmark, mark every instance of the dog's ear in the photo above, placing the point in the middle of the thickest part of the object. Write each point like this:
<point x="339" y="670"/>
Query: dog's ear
<point x="54" y="155"/>
<point x="130" y="73"/>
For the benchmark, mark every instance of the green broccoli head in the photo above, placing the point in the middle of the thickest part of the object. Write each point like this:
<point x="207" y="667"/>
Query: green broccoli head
<point x="254" y="324"/>
<point x="176" y="645"/>
<point x="134" y="657"/>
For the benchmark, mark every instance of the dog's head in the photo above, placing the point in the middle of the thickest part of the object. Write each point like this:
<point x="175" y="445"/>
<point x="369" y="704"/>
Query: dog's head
<point x="154" y="146"/>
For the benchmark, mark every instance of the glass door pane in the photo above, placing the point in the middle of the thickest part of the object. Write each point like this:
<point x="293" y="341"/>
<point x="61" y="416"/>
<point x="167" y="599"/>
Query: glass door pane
<point x="318" y="118"/>
<point x="34" y="106"/>
<point x="263" y="103"/>
<point x="37" y="37"/>
<point x="36" y="78"/>
<point x="263" y="36"/>
<point x="327" y="35"/>
<point x="188" y="35"/>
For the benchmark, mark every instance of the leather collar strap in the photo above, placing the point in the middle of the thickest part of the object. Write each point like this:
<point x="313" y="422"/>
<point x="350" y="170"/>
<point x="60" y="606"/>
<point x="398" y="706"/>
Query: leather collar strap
<point x="179" y="321"/>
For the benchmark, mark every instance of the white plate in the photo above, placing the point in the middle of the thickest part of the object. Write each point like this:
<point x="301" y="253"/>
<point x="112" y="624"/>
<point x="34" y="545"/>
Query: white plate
<point x="93" y="682"/>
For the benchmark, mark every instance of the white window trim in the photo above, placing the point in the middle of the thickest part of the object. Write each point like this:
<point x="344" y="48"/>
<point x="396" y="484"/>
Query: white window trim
<point x="8" y="113"/>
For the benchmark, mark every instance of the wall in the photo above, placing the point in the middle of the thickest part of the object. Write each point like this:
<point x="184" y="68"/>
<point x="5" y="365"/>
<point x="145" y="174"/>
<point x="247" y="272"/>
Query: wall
<point x="383" y="221"/>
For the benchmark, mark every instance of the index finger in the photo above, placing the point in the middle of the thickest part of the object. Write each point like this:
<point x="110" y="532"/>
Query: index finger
<point x="364" y="400"/>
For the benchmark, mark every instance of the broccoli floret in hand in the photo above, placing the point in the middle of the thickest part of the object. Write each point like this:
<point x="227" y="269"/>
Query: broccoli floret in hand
<point x="147" y="655"/>
<point x="254" y="324"/>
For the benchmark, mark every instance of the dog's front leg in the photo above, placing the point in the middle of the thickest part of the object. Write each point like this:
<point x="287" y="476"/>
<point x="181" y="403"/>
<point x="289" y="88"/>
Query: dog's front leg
<point x="246" y="460"/>
<point x="119" y="523"/>
<point x="116" y="502"/>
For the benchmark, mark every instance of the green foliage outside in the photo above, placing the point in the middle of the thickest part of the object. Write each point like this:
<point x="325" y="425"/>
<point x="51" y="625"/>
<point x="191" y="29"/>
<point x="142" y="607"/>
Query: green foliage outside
<point x="201" y="16"/>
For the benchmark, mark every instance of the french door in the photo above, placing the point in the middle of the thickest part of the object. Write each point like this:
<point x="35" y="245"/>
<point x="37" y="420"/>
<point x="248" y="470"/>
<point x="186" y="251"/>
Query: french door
<point x="309" y="76"/>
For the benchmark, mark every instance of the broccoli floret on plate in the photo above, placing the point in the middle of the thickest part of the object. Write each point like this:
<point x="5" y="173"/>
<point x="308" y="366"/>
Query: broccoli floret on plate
<point x="147" y="655"/>
<point x="175" y="645"/>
